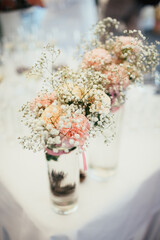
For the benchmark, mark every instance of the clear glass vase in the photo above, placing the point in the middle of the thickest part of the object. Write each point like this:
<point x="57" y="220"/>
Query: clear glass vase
<point x="103" y="158"/>
<point x="63" y="172"/>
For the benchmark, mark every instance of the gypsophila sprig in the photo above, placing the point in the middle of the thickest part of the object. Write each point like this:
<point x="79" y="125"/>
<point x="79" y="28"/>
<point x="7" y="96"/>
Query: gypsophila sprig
<point x="44" y="66"/>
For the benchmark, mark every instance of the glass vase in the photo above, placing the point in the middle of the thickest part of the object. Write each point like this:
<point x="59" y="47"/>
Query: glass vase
<point x="103" y="158"/>
<point x="63" y="173"/>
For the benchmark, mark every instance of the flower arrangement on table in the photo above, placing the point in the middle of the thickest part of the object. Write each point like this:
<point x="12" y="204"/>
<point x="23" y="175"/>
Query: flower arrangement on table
<point x="122" y="59"/>
<point x="71" y="108"/>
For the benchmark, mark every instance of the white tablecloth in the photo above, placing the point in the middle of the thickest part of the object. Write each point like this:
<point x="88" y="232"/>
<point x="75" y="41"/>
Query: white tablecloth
<point x="113" y="210"/>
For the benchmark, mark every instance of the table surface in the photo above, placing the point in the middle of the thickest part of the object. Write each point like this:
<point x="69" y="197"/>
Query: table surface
<point x="24" y="174"/>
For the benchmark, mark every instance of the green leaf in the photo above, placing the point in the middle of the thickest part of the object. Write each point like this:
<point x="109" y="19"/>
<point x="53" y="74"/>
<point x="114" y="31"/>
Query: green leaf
<point x="50" y="157"/>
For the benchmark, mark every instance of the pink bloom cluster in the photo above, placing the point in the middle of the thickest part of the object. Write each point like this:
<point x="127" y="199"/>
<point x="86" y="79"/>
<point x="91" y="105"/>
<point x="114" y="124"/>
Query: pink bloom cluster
<point x="78" y="130"/>
<point x="113" y="64"/>
<point x="98" y="58"/>
<point x="116" y="75"/>
<point x="73" y="128"/>
<point x="124" y="44"/>
<point x="43" y="101"/>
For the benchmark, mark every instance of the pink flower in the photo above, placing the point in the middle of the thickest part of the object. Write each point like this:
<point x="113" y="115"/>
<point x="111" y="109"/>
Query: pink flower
<point x="117" y="75"/>
<point x="115" y="93"/>
<point x="97" y="58"/>
<point x="125" y="44"/>
<point x="75" y="128"/>
<point x="44" y="101"/>
<point x="115" y="109"/>
<point x="78" y="130"/>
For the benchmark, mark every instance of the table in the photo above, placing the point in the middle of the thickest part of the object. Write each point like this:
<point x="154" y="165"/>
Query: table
<point x="116" y="210"/>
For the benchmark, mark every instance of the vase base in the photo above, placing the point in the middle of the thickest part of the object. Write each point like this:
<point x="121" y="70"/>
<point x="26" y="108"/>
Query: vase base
<point x="101" y="174"/>
<point x="64" y="209"/>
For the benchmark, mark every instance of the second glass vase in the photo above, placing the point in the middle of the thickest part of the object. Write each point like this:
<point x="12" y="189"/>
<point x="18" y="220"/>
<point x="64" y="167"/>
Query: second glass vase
<point x="102" y="158"/>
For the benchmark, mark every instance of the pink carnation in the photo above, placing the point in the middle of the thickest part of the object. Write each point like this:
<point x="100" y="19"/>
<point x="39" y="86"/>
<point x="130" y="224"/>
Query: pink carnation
<point x="117" y="75"/>
<point x="79" y="129"/>
<point x="45" y="100"/>
<point x="97" y="58"/>
<point x="124" y="43"/>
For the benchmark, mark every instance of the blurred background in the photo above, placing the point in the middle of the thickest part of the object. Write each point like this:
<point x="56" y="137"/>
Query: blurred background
<point x="27" y="25"/>
<point x="27" y="22"/>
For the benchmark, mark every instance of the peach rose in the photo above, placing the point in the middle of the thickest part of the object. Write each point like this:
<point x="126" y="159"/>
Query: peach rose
<point x="97" y="58"/>
<point x="51" y="115"/>
<point x="70" y="89"/>
<point x="117" y="75"/>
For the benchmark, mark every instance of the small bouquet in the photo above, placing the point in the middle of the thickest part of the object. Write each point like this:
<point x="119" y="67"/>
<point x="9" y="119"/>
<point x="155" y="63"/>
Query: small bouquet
<point x="71" y="107"/>
<point x="122" y="59"/>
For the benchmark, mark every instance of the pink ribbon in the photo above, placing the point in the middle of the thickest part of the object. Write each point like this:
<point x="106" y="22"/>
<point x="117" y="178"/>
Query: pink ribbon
<point x="50" y="152"/>
<point x="84" y="160"/>
<point x="114" y="109"/>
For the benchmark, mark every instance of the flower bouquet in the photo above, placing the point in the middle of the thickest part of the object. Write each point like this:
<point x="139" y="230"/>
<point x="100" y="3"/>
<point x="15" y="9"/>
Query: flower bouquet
<point x="123" y="60"/>
<point x="71" y="108"/>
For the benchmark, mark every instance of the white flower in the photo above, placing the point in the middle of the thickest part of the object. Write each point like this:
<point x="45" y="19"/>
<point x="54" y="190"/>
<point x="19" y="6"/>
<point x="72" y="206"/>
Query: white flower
<point x="76" y="143"/>
<point x="71" y="141"/>
<point x="55" y="150"/>
<point x="57" y="140"/>
<point x="77" y="136"/>
<point x="54" y="131"/>
<point x="48" y="115"/>
<point x="49" y="126"/>
<point x="68" y="125"/>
